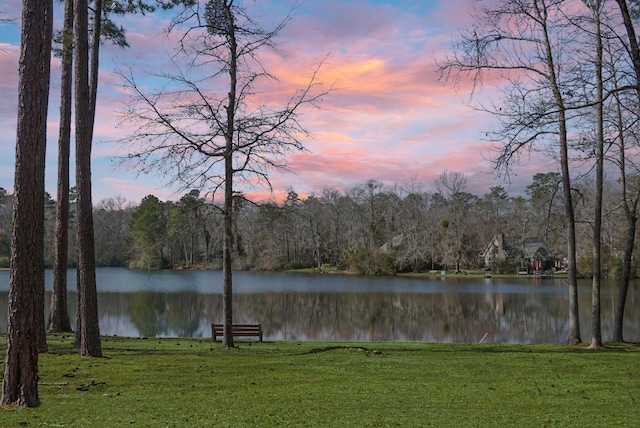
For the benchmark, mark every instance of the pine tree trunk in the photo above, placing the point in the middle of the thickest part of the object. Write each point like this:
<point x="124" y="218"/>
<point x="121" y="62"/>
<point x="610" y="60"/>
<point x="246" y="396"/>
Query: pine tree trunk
<point x="227" y="304"/>
<point x="45" y="58"/>
<point x="596" y="324"/>
<point x="59" y="313"/>
<point x="20" y="380"/>
<point x="87" y="326"/>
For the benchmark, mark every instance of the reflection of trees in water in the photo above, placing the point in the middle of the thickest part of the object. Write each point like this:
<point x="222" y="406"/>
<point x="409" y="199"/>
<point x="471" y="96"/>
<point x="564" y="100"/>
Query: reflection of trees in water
<point x="450" y="317"/>
<point x="165" y="314"/>
<point x="148" y="313"/>
<point x="420" y="317"/>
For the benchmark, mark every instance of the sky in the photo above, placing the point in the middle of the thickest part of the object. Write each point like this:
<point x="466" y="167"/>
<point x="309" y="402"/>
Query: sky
<point x="388" y="119"/>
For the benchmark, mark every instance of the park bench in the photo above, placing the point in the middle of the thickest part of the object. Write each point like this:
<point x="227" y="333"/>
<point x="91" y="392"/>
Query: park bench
<point x="237" y="330"/>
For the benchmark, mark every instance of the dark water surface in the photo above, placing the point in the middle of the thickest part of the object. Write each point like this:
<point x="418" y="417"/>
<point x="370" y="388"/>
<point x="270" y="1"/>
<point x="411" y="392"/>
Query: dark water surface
<point x="335" y="307"/>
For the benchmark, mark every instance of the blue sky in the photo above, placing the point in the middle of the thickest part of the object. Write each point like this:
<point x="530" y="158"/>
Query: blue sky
<point x="389" y="119"/>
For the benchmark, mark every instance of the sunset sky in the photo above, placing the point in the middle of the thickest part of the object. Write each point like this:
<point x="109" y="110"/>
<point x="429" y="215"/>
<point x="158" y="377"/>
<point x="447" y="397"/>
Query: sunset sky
<point x="389" y="118"/>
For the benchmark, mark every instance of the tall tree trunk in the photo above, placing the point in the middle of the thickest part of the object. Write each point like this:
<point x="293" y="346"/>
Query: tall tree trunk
<point x="227" y="244"/>
<point x="41" y="333"/>
<point x="87" y="325"/>
<point x="618" y="323"/>
<point x="596" y="328"/>
<point x="20" y="380"/>
<point x="574" y="314"/>
<point x="94" y="61"/>
<point x="227" y="302"/>
<point x="59" y="313"/>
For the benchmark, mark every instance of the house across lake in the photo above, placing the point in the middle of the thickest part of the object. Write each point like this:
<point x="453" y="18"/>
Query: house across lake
<point x="529" y="254"/>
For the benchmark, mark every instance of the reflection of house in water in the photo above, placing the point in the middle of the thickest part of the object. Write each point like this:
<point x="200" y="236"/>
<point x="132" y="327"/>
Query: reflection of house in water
<point x="533" y="252"/>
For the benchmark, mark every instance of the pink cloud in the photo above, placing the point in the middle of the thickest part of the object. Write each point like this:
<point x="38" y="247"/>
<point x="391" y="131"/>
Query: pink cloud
<point x="133" y="189"/>
<point x="389" y="119"/>
<point x="9" y="56"/>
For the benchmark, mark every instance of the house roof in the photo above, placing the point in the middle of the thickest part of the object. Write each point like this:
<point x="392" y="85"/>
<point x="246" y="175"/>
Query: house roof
<point x="529" y="248"/>
<point x="518" y="247"/>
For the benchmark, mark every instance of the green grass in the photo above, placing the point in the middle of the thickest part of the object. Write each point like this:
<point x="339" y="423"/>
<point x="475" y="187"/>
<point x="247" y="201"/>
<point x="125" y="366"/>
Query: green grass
<point x="193" y="382"/>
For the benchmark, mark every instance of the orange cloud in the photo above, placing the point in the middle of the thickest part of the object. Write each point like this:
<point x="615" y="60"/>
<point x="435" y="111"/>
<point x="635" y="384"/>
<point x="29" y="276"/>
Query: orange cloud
<point x="389" y="117"/>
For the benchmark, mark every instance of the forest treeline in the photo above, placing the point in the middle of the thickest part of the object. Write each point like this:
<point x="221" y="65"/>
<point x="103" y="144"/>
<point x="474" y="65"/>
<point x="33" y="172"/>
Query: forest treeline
<point x="370" y="228"/>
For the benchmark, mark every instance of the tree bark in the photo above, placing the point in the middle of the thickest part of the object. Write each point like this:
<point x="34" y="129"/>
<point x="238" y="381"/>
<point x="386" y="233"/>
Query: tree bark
<point x="87" y="326"/>
<point x="596" y="327"/>
<point x="227" y="244"/>
<point x="630" y="207"/>
<point x="59" y="313"/>
<point x="41" y="333"/>
<point x="20" y="380"/>
<point x="574" y="315"/>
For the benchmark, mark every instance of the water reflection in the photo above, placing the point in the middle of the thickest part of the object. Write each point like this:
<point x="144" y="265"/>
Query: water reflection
<point x="172" y="304"/>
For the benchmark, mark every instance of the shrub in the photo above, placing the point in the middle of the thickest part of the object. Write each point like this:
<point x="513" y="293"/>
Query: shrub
<point x="293" y="265"/>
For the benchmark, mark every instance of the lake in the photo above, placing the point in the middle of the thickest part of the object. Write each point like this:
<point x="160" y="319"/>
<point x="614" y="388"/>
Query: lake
<point x="295" y="306"/>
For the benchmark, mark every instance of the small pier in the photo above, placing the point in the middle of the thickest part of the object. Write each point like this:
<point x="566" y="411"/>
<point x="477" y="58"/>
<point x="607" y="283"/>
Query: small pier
<point x="543" y="274"/>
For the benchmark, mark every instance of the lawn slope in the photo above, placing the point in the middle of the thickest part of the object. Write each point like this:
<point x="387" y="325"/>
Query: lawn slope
<point x="193" y="382"/>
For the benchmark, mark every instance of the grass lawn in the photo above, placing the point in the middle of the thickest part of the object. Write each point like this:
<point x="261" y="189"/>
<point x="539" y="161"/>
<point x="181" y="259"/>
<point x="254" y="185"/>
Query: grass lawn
<point x="193" y="382"/>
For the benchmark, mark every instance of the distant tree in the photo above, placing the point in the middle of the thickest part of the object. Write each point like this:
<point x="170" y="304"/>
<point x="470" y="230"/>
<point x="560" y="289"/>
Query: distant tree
<point x="415" y="238"/>
<point x="185" y="225"/>
<point x="207" y="141"/>
<point x="20" y="380"/>
<point x="112" y="218"/>
<point x="544" y="194"/>
<point x="496" y="200"/>
<point x="337" y="213"/>
<point x="148" y="232"/>
<point x="452" y="185"/>
<point x="314" y="231"/>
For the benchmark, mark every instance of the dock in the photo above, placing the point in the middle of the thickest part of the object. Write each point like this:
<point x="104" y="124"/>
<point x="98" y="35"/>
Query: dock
<point x="543" y="274"/>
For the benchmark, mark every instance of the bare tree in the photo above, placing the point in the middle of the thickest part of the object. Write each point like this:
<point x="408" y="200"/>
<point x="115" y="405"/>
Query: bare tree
<point x="625" y="157"/>
<point x="521" y="41"/>
<point x="596" y="329"/>
<point x="20" y="381"/>
<point x="203" y="140"/>
<point x="630" y="198"/>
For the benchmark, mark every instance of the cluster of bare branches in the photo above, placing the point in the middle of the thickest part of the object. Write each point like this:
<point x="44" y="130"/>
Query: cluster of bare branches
<point x="204" y="127"/>
<point x="559" y="95"/>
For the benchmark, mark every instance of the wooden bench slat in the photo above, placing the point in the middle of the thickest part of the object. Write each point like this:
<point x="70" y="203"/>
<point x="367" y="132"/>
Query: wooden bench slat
<point x="241" y="330"/>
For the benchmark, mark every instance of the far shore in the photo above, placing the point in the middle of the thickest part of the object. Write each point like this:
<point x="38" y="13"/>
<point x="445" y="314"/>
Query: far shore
<point x="432" y="274"/>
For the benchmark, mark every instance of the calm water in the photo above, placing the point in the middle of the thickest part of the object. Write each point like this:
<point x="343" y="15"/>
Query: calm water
<point x="332" y="307"/>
